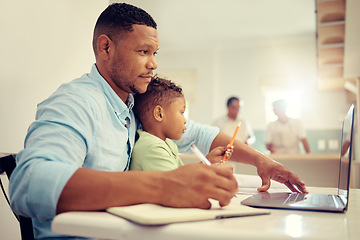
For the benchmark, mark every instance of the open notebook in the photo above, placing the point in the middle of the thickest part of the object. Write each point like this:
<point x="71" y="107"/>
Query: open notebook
<point x="152" y="214"/>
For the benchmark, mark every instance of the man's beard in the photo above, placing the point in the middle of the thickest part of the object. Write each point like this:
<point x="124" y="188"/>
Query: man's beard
<point x="134" y="90"/>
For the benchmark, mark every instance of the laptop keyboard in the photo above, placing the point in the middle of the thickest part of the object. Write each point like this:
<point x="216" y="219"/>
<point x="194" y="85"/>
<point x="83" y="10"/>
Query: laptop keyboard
<point x="312" y="199"/>
<point x="323" y="200"/>
<point x="294" y="198"/>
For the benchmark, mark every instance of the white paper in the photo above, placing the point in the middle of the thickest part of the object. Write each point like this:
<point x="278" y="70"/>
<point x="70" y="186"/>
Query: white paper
<point x="248" y="184"/>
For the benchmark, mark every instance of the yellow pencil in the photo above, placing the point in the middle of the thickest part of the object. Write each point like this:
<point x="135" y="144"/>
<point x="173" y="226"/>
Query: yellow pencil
<point x="232" y="139"/>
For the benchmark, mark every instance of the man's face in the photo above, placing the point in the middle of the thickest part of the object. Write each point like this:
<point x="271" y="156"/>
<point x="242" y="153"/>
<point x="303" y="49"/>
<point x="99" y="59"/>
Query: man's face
<point x="133" y="62"/>
<point x="234" y="108"/>
<point x="278" y="111"/>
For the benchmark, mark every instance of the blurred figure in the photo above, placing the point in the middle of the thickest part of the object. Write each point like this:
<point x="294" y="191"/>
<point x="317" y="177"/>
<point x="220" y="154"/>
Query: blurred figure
<point x="284" y="134"/>
<point x="228" y="123"/>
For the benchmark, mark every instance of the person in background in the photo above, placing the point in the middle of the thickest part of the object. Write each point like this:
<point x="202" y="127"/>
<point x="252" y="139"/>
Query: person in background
<point x="161" y="112"/>
<point x="228" y="123"/>
<point x="284" y="135"/>
<point x="77" y="152"/>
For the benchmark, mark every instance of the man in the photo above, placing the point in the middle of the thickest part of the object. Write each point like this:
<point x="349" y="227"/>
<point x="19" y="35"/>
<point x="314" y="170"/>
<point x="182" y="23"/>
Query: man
<point x="77" y="152"/>
<point x="228" y="123"/>
<point x="284" y="135"/>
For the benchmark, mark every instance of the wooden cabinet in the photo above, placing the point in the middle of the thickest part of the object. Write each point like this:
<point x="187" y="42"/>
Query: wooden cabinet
<point x="330" y="43"/>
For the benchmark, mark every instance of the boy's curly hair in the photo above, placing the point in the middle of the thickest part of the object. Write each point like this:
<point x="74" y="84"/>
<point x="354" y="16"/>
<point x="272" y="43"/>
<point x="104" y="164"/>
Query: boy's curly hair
<point x="161" y="92"/>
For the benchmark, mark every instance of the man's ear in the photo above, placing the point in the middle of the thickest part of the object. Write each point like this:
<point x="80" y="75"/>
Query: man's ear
<point x="158" y="113"/>
<point x="104" y="46"/>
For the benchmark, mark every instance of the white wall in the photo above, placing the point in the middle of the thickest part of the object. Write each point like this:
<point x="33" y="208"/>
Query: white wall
<point x="236" y="69"/>
<point x="202" y="62"/>
<point x="48" y="42"/>
<point x="44" y="43"/>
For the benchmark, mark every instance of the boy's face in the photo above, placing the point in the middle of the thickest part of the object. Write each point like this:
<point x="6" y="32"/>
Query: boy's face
<point x="174" y="119"/>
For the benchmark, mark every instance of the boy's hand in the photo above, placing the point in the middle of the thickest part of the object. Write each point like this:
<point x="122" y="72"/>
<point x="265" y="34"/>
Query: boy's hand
<point x="217" y="154"/>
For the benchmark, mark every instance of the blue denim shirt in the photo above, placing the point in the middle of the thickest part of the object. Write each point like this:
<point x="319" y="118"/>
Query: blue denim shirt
<point x="83" y="124"/>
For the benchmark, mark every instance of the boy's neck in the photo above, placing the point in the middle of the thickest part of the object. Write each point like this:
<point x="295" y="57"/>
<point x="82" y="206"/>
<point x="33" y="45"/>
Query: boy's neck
<point x="155" y="131"/>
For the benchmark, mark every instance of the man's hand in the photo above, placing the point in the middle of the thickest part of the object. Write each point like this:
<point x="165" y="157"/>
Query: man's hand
<point x="193" y="184"/>
<point x="267" y="168"/>
<point x="277" y="172"/>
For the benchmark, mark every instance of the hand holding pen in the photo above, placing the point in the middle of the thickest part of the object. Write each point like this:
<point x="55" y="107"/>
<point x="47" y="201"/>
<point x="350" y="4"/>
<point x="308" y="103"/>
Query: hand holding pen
<point x="232" y="140"/>
<point x="199" y="155"/>
<point x="204" y="160"/>
<point x="219" y="151"/>
<point x="214" y="157"/>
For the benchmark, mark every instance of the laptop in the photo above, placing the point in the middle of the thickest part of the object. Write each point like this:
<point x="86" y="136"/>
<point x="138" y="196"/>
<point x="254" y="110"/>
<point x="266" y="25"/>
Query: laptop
<point x="311" y="201"/>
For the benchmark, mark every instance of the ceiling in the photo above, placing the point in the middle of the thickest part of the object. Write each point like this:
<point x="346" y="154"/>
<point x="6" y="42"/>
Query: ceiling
<point x="187" y="24"/>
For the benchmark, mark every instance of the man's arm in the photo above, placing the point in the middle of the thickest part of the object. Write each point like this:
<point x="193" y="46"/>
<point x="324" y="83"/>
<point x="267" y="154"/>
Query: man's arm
<point x="251" y="136"/>
<point x="266" y="167"/>
<point x="305" y="144"/>
<point x="188" y="186"/>
<point x="270" y="147"/>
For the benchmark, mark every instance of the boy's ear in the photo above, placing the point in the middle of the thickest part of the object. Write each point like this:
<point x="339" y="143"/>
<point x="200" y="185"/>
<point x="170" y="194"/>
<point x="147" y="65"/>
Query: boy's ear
<point x="158" y="113"/>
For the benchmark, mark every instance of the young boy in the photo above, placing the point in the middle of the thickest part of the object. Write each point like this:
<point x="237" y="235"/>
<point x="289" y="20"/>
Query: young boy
<point x="161" y="111"/>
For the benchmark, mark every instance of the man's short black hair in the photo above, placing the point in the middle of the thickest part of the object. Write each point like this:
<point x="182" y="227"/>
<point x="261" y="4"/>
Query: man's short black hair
<point x="118" y="18"/>
<point x="231" y="99"/>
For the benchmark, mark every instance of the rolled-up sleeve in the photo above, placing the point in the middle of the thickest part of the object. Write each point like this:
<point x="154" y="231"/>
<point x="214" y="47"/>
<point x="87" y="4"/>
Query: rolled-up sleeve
<point x="37" y="196"/>
<point x="53" y="151"/>
<point x="81" y="125"/>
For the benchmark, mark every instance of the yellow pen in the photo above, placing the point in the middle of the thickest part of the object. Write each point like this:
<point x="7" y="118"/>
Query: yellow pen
<point x="232" y="139"/>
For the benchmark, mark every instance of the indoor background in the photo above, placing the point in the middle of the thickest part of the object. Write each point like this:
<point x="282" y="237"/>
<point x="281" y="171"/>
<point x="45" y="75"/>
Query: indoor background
<point x="256" y="50"/>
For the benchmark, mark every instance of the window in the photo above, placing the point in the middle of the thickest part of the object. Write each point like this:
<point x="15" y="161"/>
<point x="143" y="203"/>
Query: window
<point x="292" y="98"/>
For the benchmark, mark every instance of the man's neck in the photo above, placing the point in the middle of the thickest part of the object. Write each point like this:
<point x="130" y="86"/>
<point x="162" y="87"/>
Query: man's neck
<point x="283" y="119"/>
<point x="121" y="93"/>
<point x="231" y="117"/>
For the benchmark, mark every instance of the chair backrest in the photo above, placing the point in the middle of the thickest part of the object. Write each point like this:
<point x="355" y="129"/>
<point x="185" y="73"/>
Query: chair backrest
<point x="7" y="165"/>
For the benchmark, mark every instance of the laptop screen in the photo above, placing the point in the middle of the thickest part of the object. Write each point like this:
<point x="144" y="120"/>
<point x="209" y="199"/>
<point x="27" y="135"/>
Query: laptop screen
<point x="345" y="158"/>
